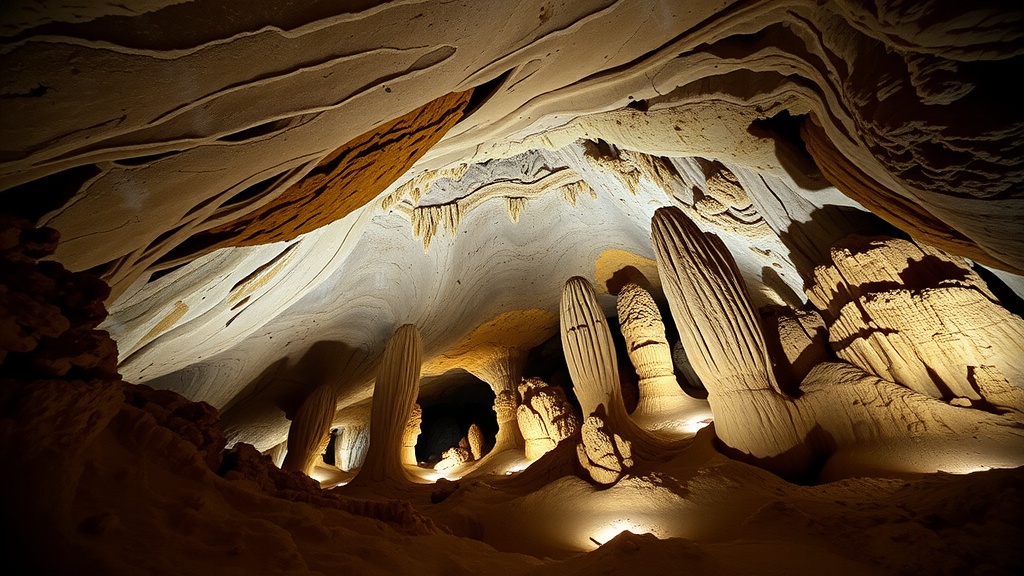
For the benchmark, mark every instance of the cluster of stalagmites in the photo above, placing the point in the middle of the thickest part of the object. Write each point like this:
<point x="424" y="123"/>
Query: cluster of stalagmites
<point x="895" y="312"/>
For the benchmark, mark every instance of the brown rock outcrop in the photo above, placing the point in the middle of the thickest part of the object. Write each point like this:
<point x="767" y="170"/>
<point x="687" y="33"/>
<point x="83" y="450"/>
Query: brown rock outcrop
<point x="346" y="179"/>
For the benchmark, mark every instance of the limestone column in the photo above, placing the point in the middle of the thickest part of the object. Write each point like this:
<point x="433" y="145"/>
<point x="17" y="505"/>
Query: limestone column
<point x="395" y="392"/>
<point x="310" y="430"/>
<point x="662" y="402"/>
<point x="503" y="372"/>
<point x="857" y="423"/>
<point x="350" y="445"/>
<point x="590" y="355"/>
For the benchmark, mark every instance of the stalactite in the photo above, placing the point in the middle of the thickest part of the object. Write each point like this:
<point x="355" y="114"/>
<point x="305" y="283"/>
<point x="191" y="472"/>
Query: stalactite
<point x="395" y="392"/>
<point x="310" y="430"/>
<point x="515" y="207"/>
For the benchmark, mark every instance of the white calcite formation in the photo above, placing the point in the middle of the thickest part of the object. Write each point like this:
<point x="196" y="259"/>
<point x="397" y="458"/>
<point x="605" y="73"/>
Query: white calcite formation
<point x="394" y="395"/>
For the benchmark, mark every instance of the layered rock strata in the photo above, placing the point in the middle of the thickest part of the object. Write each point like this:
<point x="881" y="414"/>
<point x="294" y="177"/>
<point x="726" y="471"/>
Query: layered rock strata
<point x="855" y="422"/>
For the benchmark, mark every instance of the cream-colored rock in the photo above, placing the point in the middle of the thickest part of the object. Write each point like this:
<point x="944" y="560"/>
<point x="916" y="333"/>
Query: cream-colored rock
<point x="277" y="453"/>
<point x="856" y="422"/>
<point x="605" y="456"/>
<point x="590" y="356"/>
<point x="663" y="406"/>
<point x="310" y="431"/>
<point x="797" y="342"/>
<point x="545" y="417"/>
<point x="455" y="456"/>
<point x="394" y="394"/>
<point x="411" y="435"/>
<point x="351" y="443"/>
<point x="475" y="438"/>
<point x="916" y="316"/>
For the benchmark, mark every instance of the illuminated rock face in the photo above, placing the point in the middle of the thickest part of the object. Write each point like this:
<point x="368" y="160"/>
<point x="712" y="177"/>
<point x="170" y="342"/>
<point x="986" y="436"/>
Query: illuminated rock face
<point x="268" y="190"/>
<point x="545" y="417"/>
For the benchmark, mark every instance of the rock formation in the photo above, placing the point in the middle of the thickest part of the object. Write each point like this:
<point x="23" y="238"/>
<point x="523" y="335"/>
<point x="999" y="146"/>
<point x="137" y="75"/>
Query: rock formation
<point x="260" y="192"/>
<point x="311" y="429"/>
<point x="662" y="403"/>
<point x="842" y="414"/>
<point x="411" y="435"/>
<point x="916" y="316"/>
<point x="394" y="395"/>
<point x="545" y="417"/>
<point x="602" y="453"/>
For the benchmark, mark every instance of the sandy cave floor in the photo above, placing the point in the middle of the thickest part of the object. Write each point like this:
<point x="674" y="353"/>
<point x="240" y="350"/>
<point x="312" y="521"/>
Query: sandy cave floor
<point x="147" y="505"/>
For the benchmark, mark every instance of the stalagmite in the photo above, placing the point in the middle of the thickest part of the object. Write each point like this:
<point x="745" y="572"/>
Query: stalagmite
<point x="411" y="435"/>
<point x="476" y="441"/>
<point x="395" y="392"/>
<point x="350" y="445"/>
<point x="856" y="422"/>
<point x="590" y="356"/>
<point x="663" y="406"/>
<point x="545" y="417"/>
<point x="605" y="456"/>
<point x="797" y="342"/>
<point x="278" y="453"/>
<point x="310" y="429"/>
<point x="457" y="455"/>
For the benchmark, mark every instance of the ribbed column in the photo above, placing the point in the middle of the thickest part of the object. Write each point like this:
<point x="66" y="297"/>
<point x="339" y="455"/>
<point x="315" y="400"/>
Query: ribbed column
<point x="395" y="392"/>
<point x="310" y="430"/>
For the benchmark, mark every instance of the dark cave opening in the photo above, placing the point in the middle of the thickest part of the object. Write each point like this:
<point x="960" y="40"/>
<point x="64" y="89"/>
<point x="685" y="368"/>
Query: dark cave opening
<point x="451" y="403"/>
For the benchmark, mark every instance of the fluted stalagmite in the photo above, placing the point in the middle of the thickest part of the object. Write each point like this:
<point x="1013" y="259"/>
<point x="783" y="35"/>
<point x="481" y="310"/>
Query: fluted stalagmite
<point x="856" y="422"/>
<point x="721" y="333"/>
<point x="350" y="447"/>
<point x="411" y="435"/>
<point x="590" y="356"/>
<point x="309" y="433"/>
<point x="545" y="417"/>
<point x="663" y="406"/>
<point x="395" y="392"/>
